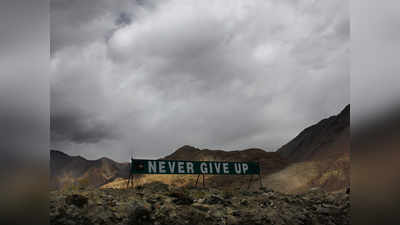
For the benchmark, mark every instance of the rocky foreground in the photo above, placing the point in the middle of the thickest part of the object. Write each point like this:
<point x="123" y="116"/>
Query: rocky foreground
<point x="157" y="203"/>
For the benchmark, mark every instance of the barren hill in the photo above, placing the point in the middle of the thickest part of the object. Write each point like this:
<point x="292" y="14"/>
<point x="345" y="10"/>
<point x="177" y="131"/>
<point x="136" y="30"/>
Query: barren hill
<point x="319" y="157"/>
<point x="68" y="170"/>
<point x="329" y="136"/>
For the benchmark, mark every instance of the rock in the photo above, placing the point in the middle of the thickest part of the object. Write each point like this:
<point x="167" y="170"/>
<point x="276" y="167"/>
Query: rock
<point x="139" y="215"/>
<point x="266" y="190"/>
<point x="77" y="200"/>
<point x="231" y="220"/>
<point x="140" y="194"/>
<point x="236" y="213"/>
<point x="245" y="193"/>
<point x="201" y="200"/>
<point x="154" y="199"/>
<point x="214" y="199"/>
<point x="201" y="207"/>
<point x="314" y="189"/>
<point x="244" y="202"/>
<point x="176" y="194"/>
<point x="177" y="207"/>
<point x="323" y="210"/>
<point x="181" y="198"/>
<point x="184" y="200"/>
<point x="228" y="194"/>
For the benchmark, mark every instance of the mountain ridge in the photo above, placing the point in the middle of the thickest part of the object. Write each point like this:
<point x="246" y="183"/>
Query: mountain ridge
<point x="66" y="170"/>
<point x="319" y="156"/>
<point x="309" y="142"/>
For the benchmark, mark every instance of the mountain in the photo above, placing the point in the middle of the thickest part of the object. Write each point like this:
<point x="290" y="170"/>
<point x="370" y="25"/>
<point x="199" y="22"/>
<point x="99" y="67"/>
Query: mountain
<point x="329" y="136"/>
<point x="67" y="171"/>
<point x="269" y="161"/>
<point x="319" y="157"/>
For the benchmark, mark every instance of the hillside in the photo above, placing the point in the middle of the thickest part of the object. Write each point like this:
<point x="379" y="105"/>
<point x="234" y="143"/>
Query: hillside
<point x="326" y="138"/>
<point x="319" y="157"/>
<point x="67" y="171"/>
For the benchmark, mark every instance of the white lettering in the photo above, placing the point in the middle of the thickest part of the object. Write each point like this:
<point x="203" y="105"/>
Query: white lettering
<point x="189" y="167"/>
<point x="217" y="167"/>
<point x="161" y="167"/>
<point x="226" y="168"/>
<point x="211" y="168"/>
<point x="203" y="168"/>
<point x="152" y="167"/>
<point x="238" y="169"/>
<point x="245" y="167"/>
<point x="180" y="167"/>
<point x="171" y="166"/>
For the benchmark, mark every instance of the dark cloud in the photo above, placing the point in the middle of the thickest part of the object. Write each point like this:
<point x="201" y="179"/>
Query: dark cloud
<point x="159" y="74"/>
<point x="24" y="78"/>
<point x="79" y="129"/>
<point x="123" y="19"/>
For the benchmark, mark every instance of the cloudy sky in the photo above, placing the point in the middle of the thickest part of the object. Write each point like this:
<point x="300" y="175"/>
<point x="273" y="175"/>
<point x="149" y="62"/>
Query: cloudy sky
<point x="24" y="82"/>
<point x="150" y="76"/>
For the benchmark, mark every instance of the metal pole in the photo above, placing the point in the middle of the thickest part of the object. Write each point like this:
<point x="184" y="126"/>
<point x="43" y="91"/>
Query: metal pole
<point x="260" y="176"/>
<point x="203" y="181"/>
<point x="129" y="181"/>
<point x="197" y="179"/>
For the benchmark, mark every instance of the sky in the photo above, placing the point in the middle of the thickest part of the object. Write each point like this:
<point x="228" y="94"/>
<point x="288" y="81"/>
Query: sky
<point x="24" y="82"/>
<point x="151" y="76"/>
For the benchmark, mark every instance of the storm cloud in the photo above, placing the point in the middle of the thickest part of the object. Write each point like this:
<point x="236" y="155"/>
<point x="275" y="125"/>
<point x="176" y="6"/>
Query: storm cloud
<point x="150" y="76"/>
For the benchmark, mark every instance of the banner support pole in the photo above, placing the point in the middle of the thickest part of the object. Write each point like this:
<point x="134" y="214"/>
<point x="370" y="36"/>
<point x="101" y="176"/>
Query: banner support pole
<point x="197" y="179"/>
<point x="129" y="181"/>
<point x="260" y="175"/>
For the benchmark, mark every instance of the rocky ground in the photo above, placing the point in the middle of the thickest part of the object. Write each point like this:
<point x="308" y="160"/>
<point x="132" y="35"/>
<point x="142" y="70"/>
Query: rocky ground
<point x="157" y="203"/>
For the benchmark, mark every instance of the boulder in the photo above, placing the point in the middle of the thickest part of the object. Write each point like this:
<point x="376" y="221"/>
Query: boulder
<point x="140" y="215"/>
<point x="181" y="198"/>
<point x="214" y="199"/>
<point x="77" y="200"/>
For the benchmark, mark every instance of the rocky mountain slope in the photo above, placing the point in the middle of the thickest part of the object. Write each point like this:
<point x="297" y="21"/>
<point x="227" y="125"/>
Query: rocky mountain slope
<point x="329" y="137"/>
<point x="67" y="171"/>
<point x="319" y="157"/>
<point x="158" y="203"/>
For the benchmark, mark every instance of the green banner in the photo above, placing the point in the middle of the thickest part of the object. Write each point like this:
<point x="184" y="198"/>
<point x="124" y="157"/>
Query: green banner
<point x="193" y="167"/>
